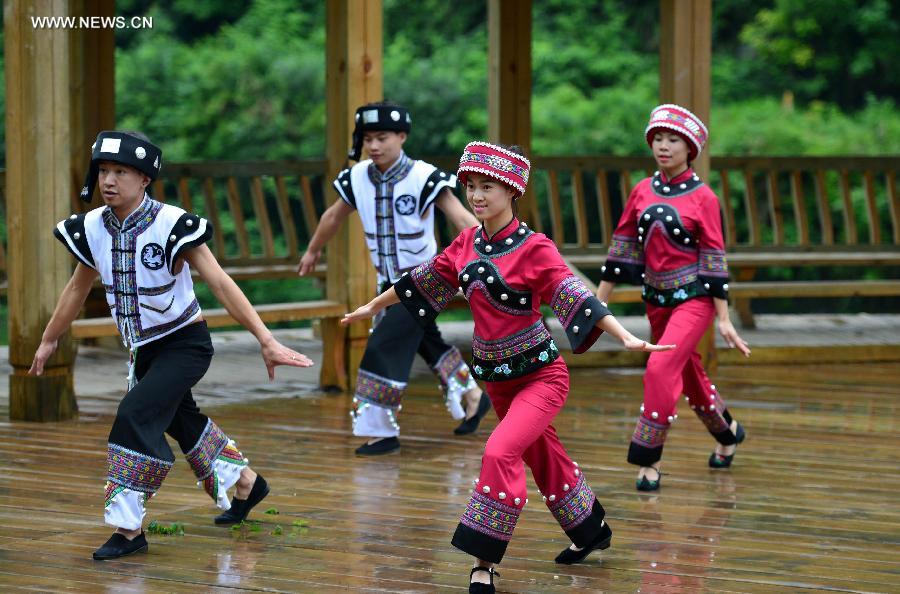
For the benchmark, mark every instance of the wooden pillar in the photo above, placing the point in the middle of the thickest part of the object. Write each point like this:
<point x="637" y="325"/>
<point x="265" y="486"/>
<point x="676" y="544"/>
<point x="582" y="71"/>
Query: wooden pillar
<point x="509" y="77"/>
<point x="92" y="87"/>
<point x="353" y="76"/>
<point x="38" y="189"/>
<point x="685" y="57"/>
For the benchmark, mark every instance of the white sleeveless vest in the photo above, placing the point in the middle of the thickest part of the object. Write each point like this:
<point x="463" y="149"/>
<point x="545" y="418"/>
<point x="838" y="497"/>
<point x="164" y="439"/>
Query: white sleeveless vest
<point x="136" y="261"/>
<point x="391" y="207"/>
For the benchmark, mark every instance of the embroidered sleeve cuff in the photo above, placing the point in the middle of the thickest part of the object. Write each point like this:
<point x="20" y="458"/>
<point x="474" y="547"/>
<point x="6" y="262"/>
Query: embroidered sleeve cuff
<point x="424" y="293"/>
<point x="617" y="271"/>
<point x="582" y="331"/>
<point x="344" y="187"/>
<point x="715" y="286"/>
<point x="578" y="311"/>
<point x="437" y="181"/>
<point x="188" y="232"/>
<point x="70" y="233"/>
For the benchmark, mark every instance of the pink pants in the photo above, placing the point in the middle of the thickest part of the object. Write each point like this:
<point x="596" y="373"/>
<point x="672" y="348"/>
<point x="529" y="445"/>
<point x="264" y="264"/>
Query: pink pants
<point x="526" y="406"/>
<point x="672" y="373"/>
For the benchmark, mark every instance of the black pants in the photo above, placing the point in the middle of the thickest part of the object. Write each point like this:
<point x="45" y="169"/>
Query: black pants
<point x="139" y="457"/>
<point x="161" y="402"/>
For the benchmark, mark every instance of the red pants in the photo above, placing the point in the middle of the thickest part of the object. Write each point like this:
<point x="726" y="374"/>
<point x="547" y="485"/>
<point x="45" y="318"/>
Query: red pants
<point x="672" y="373"/>
<point x="526" y="406"/>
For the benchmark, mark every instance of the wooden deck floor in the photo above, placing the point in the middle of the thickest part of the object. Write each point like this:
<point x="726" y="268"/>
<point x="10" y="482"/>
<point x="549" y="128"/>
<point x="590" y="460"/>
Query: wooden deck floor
<point x="811" y="503"/>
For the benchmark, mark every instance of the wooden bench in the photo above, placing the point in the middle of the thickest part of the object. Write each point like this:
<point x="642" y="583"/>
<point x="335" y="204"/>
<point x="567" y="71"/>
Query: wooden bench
<point x="780" y="213"/>
<point x="262" y="213"/>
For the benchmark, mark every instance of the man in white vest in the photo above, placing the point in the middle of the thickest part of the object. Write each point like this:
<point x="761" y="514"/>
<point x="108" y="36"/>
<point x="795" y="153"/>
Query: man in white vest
<point x="395" y="197"/>
<point x="143" y="251"/>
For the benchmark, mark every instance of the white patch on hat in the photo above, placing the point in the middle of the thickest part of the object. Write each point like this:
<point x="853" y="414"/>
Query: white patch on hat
<point x="691" y="125"/>
<point x="357" y="117"/>
<point x="140" y="153"/>
<point x="110" y="145"/>
<point x="395" y="115"/>
<point x="370" y="116"/>
<point x="156" y="162"/>
<point x="93" y="146"/>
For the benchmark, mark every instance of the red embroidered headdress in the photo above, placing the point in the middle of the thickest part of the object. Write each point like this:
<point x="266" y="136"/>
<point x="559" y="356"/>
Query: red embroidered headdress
<point x="494" y="161"/>
<point x="684" y="123"/>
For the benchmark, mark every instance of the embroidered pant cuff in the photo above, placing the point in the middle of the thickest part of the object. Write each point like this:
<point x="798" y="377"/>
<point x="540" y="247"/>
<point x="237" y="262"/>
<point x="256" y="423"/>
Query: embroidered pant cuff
<point x="587" y="531"/>
<point x="479" y="544"/>
<point x="124" y="507"/>
<point x="644" y="456"/>
<point x="217" y="464"/>
<point x="370" y="420"/>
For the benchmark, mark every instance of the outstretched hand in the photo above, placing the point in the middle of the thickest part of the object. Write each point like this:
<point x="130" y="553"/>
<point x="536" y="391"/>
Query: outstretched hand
<point x="726" y="329"/>
<point x="274" y="354"/>
<point x="44" y="352"/>
<point x="308" y="263"/>
<point x="364" y="312"/>
<point x="633" y="343"/>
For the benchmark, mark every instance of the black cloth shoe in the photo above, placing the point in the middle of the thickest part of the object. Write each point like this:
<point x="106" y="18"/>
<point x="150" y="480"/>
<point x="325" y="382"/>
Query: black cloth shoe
<point x="717" y="461"/>
<point x="379" y="448"/>
<point x="470" y="425"/>
<point x="645" y="484"/>
<point x="241" y="507"/>
<point x="478" y="587"/>
<point x="118" y="545"/>
<point x="603" y="540"/>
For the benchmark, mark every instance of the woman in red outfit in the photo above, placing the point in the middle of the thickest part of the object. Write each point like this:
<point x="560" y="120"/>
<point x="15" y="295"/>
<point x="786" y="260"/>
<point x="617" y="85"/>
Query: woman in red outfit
<point x="669" y="240"/>
<point x="506" y="271"/>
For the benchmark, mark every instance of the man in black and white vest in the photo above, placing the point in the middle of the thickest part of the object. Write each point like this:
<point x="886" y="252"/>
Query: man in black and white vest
<point x="395" y="197"/>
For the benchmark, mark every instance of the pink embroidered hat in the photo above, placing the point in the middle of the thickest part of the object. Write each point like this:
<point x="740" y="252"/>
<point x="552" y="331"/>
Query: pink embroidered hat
<point x="681" y="121"/>
<point x="494" y="161"/>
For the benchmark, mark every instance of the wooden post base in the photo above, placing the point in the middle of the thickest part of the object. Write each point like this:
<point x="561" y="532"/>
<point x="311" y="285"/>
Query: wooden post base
<point x="50" y="397"/>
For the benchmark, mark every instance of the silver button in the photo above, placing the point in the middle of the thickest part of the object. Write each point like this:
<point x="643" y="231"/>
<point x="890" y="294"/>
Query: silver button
<point x="640" y="230"/>
<point x="488" y="248"/>
<point x="588" y="312"/>
<point x="575" y="329"/>
<point x="172" y="238"/>
<point x="465" y="277"/>
<point x="725" y="286"/>
<point x="504" y="297"/>
<point x="677" y="231"/>
<point x="687" y="240"/>
<point x="669" y="218"/>
<point x="666" y="189"/>
<point x="659" y="210"/>
<point x="76" y="235"/>
<point x="490" y="280"/>
<point x="345" y="183"/>
<point x="617" y="271"/>
<point x="430" y="184"/>
<point x="422" y="313"/>
<point x="480" y="269"/>
<point x="683" y="186"/>
<point x="509" y="241"/>
<point x="408" y="293"/>
<point x="521" y="231"/>
<point x="646" y="217"/>
<point x="73" y="217"/>
<point x="189" y="223"/>
<point x="523" y="300"/>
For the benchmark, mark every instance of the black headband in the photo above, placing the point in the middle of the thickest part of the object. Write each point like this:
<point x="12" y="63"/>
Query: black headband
<point x="120" y="147"/>
<point x="378" y="118"/>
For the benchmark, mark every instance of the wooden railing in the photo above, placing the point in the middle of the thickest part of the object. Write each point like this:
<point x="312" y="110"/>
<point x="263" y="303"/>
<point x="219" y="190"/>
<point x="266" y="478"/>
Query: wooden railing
<point x="778" y="212"/>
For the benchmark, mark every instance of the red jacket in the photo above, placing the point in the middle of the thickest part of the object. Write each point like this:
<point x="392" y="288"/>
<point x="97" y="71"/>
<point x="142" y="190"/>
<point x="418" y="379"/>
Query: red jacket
<point x="670" y="240"/>
<point x="506" y="278"/>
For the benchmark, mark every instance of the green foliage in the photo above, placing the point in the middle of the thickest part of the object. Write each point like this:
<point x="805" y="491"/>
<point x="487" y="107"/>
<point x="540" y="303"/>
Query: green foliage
<point x="173" y="529"/>
<point x="272" y="511"/>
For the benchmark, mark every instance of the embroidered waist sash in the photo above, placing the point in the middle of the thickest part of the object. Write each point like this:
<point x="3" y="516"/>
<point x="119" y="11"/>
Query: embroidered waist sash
<point x="513" y="356"/>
